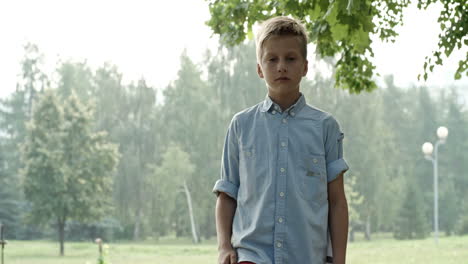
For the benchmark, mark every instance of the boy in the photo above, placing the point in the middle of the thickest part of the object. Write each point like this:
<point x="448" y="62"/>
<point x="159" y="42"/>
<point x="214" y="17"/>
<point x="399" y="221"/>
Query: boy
<point x="281" y="187"/>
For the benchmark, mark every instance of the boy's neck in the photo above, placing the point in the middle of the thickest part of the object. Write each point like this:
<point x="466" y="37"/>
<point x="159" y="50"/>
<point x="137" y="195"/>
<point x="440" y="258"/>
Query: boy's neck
<point x="284" y="100"/>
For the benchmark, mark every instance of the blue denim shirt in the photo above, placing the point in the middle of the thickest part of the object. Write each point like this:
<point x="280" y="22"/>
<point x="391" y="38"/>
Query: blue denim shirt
<point x="276" y="165"/>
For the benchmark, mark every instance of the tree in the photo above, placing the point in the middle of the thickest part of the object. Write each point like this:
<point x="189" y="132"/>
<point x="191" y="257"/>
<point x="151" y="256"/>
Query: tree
<point x="15" y="111"/>
<point x="33" y="80"/>
<point x="190" y="115"/>
<point x="361" y="118"/>
<point x="138" y="136"/>
<point x="10" y="136"/>
<point x="344" y="28"/>
<point x="411" y="223"/>
<point x="451" y="160"/>
<point x="67" y="167"/>
<point x="77" y="78"/>
<point x="453" y="21"/>
<point x="9" y="198"/>
<point x="110" y="96"/>
<point x="172" y="176"/>
<point x="449" y="205"/>
<point x="462" y="223"/>
<point x="354" y="200"/>
<point x="452" y="171"/>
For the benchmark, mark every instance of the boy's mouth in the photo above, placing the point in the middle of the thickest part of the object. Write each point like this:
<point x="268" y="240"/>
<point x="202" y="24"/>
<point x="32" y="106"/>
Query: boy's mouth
<point x="282" y="79"/>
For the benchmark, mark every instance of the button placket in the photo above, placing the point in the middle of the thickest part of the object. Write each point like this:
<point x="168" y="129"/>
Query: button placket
<point x="282" y="172"/>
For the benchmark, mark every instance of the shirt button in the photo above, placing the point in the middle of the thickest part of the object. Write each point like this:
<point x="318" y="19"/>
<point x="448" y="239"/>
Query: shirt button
<point x="282" y="194"/>
<point x="293" y="114"/>
<point x="248" y="153"/>
<point x="283" y="144"/>
<point x="284" y="120"/>
<point x="315" y="160"/>
<point x="282" y="169"/>
<point x="280" y="220"/>
<point x="273" y="112"/>
<point x="279" y="244"/>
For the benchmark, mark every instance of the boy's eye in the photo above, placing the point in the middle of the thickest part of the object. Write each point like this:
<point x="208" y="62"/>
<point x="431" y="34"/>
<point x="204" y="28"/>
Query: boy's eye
<point x="291" y="58"/>
<point x="272" y="59"/>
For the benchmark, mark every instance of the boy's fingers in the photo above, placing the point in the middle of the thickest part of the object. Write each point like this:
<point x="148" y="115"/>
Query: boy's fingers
<point x="225" y="260"/>
<point x="233" y="259"/>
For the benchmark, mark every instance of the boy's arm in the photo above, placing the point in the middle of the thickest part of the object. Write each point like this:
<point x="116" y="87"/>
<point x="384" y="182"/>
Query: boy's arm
<point x="226" y="189"/>
<point x="225" y="209"/>
<point x="338" y="219"/>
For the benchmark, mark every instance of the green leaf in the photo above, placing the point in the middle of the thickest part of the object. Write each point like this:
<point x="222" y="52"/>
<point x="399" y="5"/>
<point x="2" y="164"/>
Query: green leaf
<point x="250" y="34"/>
<point x="361" y="40"/>
<point x="339" y="31"/>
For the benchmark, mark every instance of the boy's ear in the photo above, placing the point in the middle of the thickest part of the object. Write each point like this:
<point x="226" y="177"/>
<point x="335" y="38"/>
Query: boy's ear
<point x="259" y="71"/>
<point x="306" y="68"/>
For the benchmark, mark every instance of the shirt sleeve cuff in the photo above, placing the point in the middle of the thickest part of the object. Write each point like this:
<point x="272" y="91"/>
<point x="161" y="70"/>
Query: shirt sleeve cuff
<point x="226" y="187"/>
<point x="336" y="167"/>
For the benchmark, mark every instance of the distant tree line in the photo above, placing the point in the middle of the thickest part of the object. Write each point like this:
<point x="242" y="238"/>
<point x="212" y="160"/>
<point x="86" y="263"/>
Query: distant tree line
<point x="127" y="165"/>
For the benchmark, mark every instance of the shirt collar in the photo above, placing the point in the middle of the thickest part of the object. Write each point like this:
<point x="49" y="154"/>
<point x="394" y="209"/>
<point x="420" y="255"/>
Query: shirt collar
<point x="268" y="104"/>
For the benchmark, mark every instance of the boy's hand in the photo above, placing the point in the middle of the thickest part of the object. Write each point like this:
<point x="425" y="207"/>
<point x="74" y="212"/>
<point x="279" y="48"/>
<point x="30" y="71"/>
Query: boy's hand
<point x="227" y="256"/>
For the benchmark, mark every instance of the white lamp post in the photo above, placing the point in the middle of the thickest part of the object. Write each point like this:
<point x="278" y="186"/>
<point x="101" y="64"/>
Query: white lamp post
<point x="427" y="149"/>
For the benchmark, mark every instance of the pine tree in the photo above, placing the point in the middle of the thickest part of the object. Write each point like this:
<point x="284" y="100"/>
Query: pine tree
<point x="9" y="213"/>
<point x="461" y="227"/>
<point x="411" y="222"/>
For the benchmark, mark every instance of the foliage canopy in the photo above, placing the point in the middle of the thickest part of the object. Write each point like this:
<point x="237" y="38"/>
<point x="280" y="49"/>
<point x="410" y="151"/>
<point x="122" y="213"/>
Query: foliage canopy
<point x="344" y="28"/>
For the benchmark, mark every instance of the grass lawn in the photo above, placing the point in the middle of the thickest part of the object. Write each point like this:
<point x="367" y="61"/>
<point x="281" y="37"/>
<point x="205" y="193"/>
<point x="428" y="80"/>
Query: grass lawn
<point x="383" y="250"/>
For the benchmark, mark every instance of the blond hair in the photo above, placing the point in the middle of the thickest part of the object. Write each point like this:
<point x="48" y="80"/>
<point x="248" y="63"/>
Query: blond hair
<point x="281" y="26"/>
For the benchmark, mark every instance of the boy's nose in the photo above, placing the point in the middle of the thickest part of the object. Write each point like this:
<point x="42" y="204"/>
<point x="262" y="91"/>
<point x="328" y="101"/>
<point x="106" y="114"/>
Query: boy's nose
<point x="282" y="67"/>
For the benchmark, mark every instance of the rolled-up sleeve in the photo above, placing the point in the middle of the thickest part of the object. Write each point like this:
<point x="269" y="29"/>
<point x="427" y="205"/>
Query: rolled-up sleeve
<point x="336" y="164"/>
<point x="229" y="181"/>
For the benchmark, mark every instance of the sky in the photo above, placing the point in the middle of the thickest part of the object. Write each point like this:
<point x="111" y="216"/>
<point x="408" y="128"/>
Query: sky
<point x="146" y="38"/>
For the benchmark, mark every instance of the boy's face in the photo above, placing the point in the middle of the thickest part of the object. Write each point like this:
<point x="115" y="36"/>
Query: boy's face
<point x="282" y="64"/>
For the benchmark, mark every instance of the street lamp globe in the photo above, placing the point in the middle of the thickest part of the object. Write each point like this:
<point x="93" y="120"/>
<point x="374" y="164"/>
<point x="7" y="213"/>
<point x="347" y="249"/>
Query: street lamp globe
<point x="427" y="148"/>
<point x="442" y="133"/>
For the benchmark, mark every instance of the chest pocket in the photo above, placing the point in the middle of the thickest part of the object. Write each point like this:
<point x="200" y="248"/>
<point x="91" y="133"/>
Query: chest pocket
<point x="312" y="178"/>
<point x="253" y="167"/>
<point x="248" y="159"/>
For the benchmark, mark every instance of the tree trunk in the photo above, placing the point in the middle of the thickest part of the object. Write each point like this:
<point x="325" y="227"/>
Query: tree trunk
<point x="368" y="228"/>
<point x="351" y="235"/>
<point x="140" y="190"/>
<point x="192" y="218"/>
<point x="138" y="220"/>
<point x="61" y="231"/>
